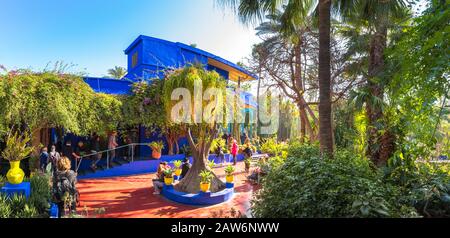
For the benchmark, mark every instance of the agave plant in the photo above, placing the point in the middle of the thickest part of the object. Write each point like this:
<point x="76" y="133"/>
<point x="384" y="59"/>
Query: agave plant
<point x="206" y="176"/>
<point x="17" y="147"/>
<point x="156" y="145"/>
<point x="229" y="170"/>
<point x="177" y="163"/>
<point x="168" y="173"/>
<point x="211" y="164"/>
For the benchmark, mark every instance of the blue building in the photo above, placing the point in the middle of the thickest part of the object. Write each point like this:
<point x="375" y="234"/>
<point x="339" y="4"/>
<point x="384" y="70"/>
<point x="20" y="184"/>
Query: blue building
<point x="149" y="58"/>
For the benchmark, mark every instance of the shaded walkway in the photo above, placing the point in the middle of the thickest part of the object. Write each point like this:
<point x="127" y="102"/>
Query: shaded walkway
<point x="131" y="197"/>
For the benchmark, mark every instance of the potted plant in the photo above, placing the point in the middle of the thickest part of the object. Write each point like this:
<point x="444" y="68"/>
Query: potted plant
<point x="168" y="176"/>
<point x="205" y="182"/>
<point x="157" y="147"/>
<point x="229" y="170"/>
<point x="177" y="164"/>
<point x="211" y="164"/>
<point x="16" y="150"/>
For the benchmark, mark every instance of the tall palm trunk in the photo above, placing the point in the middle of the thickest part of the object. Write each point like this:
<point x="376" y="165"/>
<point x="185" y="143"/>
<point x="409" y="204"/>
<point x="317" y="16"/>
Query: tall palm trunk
<point x="325" y="128"/>
<point x="380" y="146"/>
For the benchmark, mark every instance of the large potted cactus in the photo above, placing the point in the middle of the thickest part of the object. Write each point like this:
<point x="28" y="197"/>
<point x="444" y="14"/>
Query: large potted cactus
<point x="16" y="150"/>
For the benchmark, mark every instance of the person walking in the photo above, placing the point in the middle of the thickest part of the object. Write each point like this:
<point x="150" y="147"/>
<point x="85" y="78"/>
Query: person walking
<point x="234" y="150"/>
<point x="64" y="188"/>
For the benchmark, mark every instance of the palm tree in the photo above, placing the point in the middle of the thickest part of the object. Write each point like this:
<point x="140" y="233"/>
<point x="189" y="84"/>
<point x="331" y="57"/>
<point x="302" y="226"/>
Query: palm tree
<point x="325" y="121"/>
<point x="293" y="14"/>
<point x="117" y="72"/>
<point x="377" y="16"/>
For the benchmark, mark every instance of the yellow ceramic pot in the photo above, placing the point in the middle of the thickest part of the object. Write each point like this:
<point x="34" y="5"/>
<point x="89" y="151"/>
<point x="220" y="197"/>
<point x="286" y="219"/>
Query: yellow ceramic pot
<point x="178" y="172"/>
<point x="230" y="178"/>
<point x="204" y="187"/>
<point x="15" y="174"/>
<point x="156" y="154"/>
<point x="168" y="181"/>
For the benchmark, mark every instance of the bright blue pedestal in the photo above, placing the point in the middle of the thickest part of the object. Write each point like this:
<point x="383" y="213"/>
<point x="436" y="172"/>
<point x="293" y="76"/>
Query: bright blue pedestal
<point x="11" y="189"/>
<point x="229" y="185"/>
<point x="54" y="211"/>
<point x="201" y="198"/>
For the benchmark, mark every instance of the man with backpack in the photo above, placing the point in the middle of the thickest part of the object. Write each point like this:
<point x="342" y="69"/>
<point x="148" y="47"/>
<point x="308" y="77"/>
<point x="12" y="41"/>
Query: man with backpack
<point x="65" y="192"/>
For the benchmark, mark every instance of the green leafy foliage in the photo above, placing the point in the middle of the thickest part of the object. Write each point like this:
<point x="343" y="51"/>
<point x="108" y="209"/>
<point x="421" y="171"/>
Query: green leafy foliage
<point x="417" y="72"/>
<point x="313" y="186"/>
<point x="17" y="147"/>
<point x="273" y="147"/>
<point x="37" y="204"/>
<point x="41" y="193"/>
<point x="425" y="186"/>
<point x="216" y="143"/>
<point x="44" y="100"/>
<point x="145" y="105"/>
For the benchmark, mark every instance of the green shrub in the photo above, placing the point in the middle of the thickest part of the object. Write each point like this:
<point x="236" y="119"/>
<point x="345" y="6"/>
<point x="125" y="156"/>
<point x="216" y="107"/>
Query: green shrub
<point x="41" y="193"/>
<point x="16" y="207"/>
<point x="424" y="186"/>
<point x="272" y="147"/>
<point x="216" y="143"/>
<point x="307" y="185"/>
<point x="5" y="208"/>
<point x="37" y="204"/>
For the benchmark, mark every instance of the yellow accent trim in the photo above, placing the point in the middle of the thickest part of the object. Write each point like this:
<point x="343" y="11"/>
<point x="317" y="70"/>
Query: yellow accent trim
<point x="233" y="74"/>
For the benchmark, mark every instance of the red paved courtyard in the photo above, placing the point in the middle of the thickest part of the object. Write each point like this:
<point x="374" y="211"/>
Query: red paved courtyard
<point x="132" y="197"/>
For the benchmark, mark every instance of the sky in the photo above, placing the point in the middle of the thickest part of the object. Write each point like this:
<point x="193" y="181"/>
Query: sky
<point x="91" y="35"/>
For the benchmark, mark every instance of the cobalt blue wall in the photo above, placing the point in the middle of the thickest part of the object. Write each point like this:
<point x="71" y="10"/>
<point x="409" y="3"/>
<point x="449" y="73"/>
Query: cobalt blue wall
<point x="156" y="55"/>
<point x="109" y="86"/>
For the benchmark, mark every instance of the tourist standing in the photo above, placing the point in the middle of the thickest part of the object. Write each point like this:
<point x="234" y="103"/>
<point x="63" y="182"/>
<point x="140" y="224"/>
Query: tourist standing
<point x="220" y="154"/>
<point x="77" y="153"/>
<point x="112" y="145"/>
<point x="234" y="150"/>
<point x="43" y="160"/>
<point x="54" y="157"/>
<point x="95" y="150"/>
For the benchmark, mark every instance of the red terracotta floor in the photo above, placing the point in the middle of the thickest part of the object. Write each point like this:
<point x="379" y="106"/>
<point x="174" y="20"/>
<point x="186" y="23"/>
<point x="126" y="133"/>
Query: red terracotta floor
<point x="132" y="197"/>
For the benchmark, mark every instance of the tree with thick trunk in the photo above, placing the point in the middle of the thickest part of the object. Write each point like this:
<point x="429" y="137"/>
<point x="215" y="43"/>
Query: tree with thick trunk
<point x="200" y="153"/>
<point x="374" y="109"/>
<point x="199" y="133"/>
<point x="376" y="17"/>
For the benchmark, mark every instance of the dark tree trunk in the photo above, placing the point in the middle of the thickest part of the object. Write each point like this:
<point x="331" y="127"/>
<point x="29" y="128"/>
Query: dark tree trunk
<point x="170" y="143"/>
<point x="380" y="147"/>
<point x="325" y="128"/>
